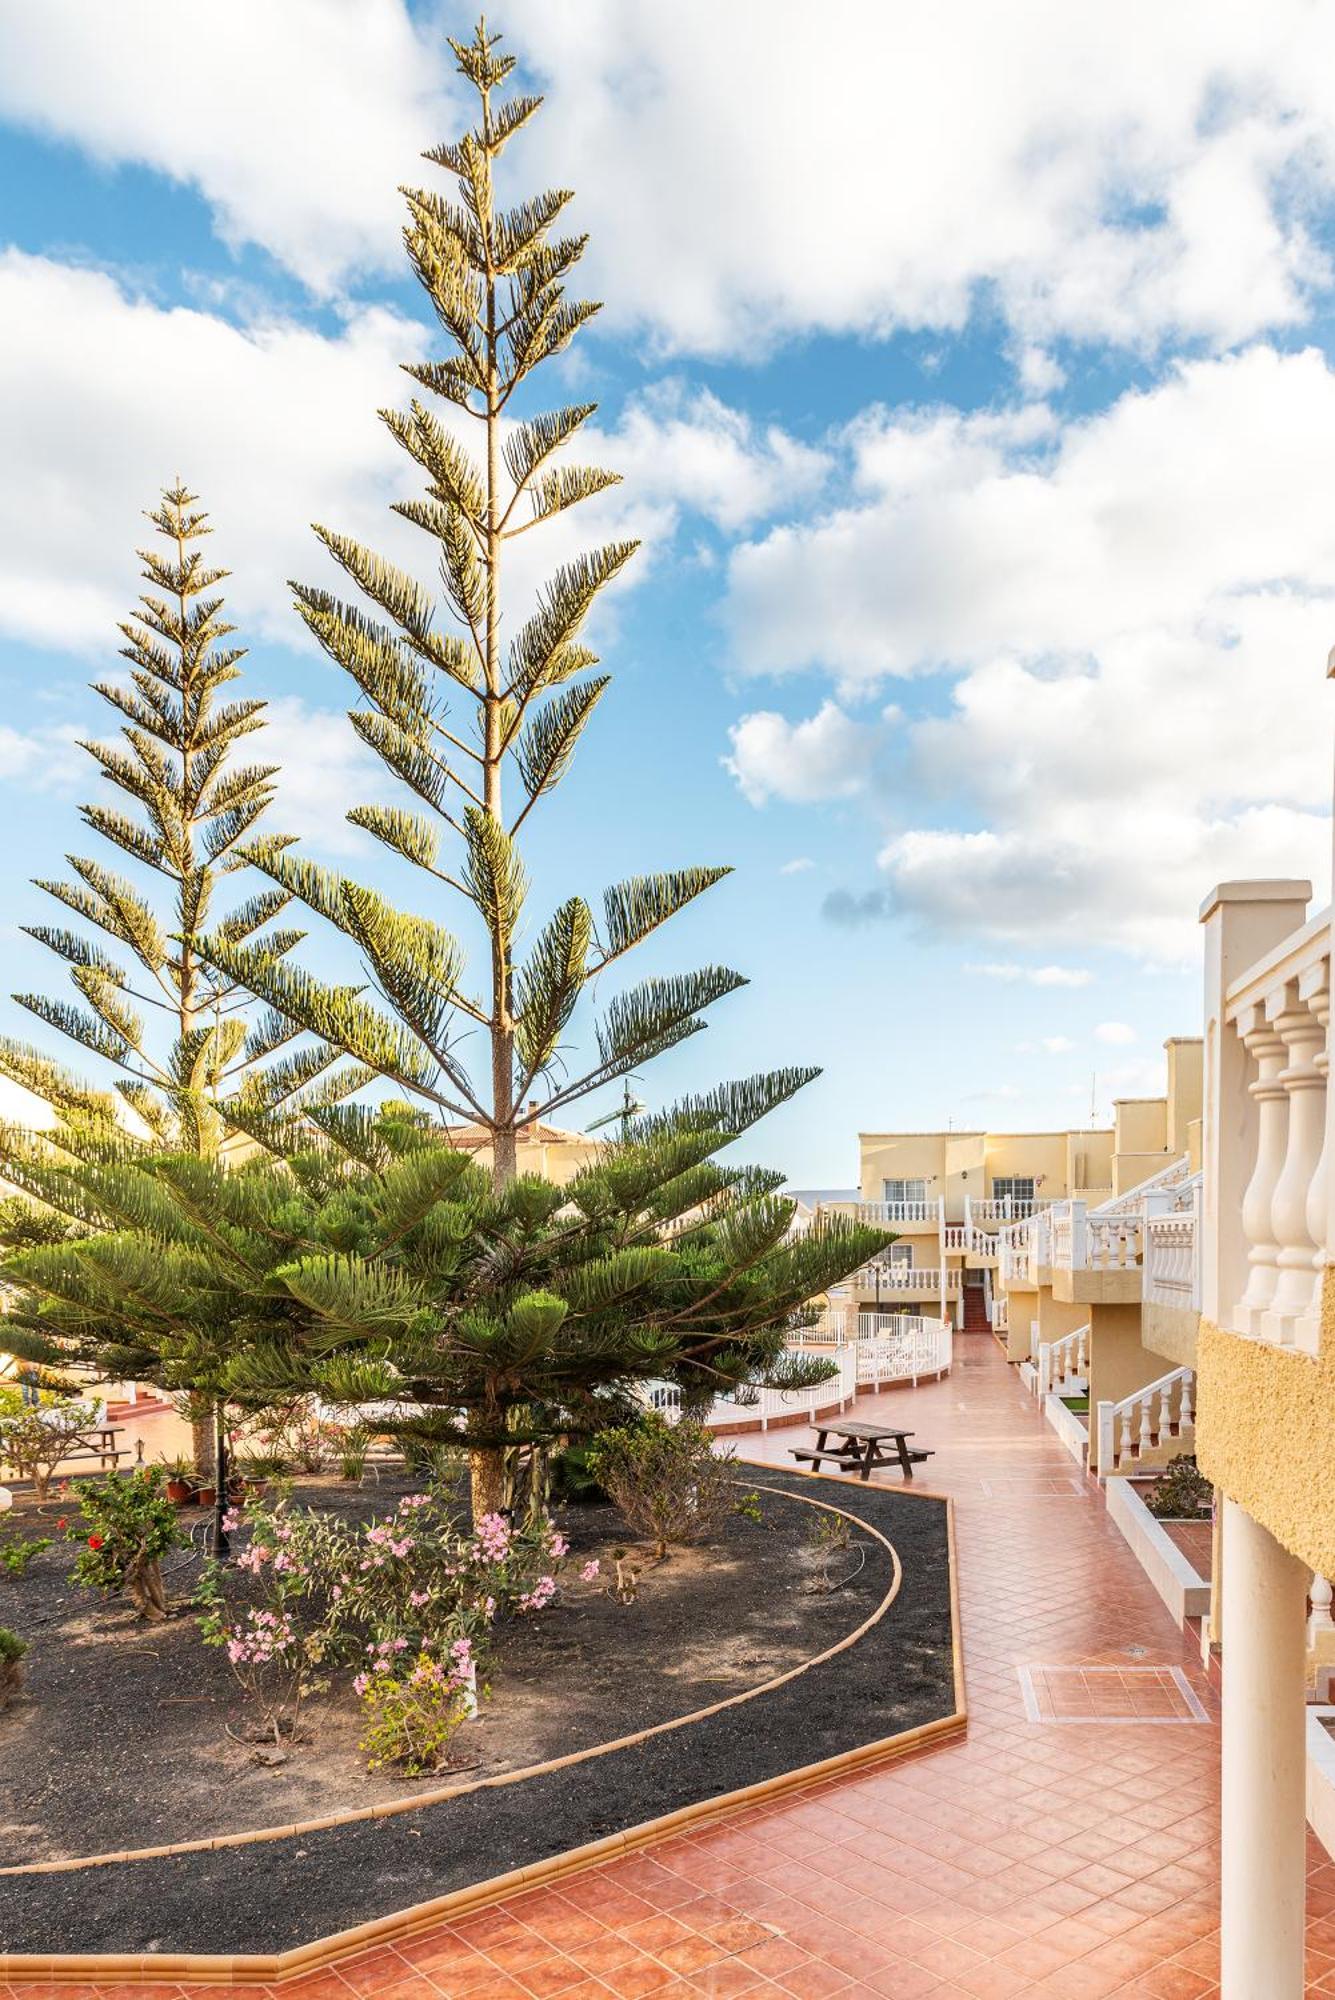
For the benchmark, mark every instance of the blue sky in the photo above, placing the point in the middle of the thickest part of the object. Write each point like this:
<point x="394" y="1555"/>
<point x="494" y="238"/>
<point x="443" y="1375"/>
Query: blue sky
<point x="975" y="401"/>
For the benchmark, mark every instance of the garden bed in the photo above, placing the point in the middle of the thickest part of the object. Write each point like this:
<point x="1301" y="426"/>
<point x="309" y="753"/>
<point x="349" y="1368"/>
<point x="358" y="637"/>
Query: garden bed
<point x="707" y="1626"/>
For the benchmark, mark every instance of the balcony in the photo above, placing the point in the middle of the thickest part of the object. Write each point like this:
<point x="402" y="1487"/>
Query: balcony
<point x="1171" y="1274"/>
<point x="884" y="1279"/>
<point x="893" y="1214"/>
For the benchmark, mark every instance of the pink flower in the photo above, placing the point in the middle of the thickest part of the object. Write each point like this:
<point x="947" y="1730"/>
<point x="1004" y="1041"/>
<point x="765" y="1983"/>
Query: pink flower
<point x="589" y="1572"/>
<point x="417" y="1598"/>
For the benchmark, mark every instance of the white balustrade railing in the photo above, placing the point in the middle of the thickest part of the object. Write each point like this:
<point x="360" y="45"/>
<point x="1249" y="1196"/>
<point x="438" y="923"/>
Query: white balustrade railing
<point x="1172" y="1263"/>
<point x="1063" y="1365"/>
<point x="926" y="1214"/>
<point x="1024" y="1247"/>
<point x="899" y="1347"/>
<point x="1008" y="1209"/>
<point x="761" y="1407"/>
<point x="914" y="1281"/>
<point x="1164" y="1410"/>
<point x="1001" y="1313"/>
<point x="955" y="1236"/>
<point x="1279" y="1010"/>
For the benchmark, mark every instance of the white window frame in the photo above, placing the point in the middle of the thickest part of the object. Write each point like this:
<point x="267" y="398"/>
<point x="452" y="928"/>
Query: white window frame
<point x="912" y="1189"/>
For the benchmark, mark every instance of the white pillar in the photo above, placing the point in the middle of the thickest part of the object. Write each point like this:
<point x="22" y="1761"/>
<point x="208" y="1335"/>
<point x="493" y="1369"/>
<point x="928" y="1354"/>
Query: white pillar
<point x="1264" y="1865"/>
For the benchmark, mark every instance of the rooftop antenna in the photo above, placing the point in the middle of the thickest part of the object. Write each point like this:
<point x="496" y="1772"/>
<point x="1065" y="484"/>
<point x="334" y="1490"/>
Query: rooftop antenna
<point x="630" y="1107"/>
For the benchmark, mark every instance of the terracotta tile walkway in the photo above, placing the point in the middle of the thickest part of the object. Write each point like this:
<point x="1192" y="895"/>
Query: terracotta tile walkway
<point x="1071" y="1861"/>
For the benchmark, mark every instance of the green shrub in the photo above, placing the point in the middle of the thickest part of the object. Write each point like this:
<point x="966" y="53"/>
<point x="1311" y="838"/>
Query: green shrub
<point x="127" y="1527"/>
<point x="1181" y="1487"/>
<point x="667" y="1479"/>
<point x="34" y="1442"/>
<point x="18" y="1555"/>
<point x="12" y="1649"/>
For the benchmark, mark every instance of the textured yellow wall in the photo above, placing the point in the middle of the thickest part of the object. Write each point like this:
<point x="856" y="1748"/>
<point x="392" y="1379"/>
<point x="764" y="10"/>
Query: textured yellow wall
<point x="1265" y="1433"/>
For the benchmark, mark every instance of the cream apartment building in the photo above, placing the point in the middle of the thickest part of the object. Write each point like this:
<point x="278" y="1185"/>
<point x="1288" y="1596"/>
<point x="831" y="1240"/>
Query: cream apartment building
<point x="954" y="1197"/>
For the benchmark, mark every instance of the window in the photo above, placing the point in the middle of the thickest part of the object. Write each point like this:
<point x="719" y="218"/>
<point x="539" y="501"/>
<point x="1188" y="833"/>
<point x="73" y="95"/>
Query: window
<point x="904" y="1190"/>
<point x="901" y="1253"/>
<point x="1018" y="1189"/>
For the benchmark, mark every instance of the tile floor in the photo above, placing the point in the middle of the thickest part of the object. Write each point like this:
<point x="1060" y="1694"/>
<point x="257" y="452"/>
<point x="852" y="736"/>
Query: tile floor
<point x="1068" y="1861"/>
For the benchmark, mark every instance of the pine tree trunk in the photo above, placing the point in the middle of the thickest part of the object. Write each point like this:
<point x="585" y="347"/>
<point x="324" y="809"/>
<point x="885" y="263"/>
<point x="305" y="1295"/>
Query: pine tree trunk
<point x="486" y="1472"/>
<point x="144" y="1583"/>
<point x="201" y="1445"/>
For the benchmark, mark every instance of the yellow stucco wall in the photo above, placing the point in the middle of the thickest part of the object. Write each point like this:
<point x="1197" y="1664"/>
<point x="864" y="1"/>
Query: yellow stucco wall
<point x="1171" y="1331"/>
<point x="1265" y="1432"/>
<point x="1118" y="1363"/>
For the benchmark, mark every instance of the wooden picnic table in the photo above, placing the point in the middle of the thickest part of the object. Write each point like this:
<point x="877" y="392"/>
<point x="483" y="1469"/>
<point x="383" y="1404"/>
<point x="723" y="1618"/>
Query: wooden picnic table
<point x="860" y="1450"/>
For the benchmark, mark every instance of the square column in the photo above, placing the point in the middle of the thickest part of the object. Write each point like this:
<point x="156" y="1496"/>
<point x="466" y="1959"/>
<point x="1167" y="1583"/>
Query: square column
<point x="1264" y="1863"/>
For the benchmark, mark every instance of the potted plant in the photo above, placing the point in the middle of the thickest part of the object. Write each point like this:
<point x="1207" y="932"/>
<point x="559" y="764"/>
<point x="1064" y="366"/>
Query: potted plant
<point x="181" y="1488"/>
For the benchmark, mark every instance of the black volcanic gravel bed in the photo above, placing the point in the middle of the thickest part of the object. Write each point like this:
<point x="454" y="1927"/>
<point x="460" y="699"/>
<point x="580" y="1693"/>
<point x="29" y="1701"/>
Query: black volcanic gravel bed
<point x="275" y="1895"/>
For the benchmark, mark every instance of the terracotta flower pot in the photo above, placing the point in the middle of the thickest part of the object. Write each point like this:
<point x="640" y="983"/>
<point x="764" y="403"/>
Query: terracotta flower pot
<point x="180" y="1492"/>
<point x="206" y="1495"/>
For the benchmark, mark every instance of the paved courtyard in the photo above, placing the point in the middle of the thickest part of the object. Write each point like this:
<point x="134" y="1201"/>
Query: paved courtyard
<point x="1067" y="1847"/>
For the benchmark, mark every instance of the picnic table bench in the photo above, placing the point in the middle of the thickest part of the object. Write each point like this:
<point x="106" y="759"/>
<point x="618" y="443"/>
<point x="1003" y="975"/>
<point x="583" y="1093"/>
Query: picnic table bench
<point x="860" y="1449"/>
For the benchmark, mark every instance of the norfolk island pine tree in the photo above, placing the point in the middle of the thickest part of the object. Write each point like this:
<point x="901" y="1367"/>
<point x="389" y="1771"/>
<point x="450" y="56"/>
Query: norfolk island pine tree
<point x="495" y="278"/>
<point x="178" y="1035"/>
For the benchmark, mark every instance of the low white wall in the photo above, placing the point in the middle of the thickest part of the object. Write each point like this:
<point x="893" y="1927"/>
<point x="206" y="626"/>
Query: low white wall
<point x="1321" y="1778"/>
<point x="1186" y="1594"/>
<point x="1068" y="1428"/>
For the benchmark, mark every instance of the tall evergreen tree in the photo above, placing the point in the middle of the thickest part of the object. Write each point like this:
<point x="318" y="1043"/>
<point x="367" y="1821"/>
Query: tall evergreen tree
<point x="180" y="1037"/>
<point x="496" y="279"/>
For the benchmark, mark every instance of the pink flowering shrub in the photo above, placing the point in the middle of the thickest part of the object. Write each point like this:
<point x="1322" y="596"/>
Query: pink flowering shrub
<point x="411" y="1599"/>
<point x="277" y="1643"/>
<point x="410" y="1716"/>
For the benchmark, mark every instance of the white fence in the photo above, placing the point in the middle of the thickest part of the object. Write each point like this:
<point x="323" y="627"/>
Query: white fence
<point x="1172" y="1262"/>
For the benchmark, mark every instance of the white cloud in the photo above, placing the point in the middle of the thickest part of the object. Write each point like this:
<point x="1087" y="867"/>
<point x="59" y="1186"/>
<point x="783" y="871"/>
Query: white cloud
<point x="1116" y="1033"/>
<point x="1021" y="155"/>
<point x="296" y="123"/>
<point x="1033" y="975"/>
<point x="1137" y="610"/>
<point x="1057" y="1045"/>
<point x="274" y="425"/>
<point x="798" y="867"/>
<point x="50" y="757"/>
<point x="687" y="446"/>
<point x="325" y="770"/>
<point x="829" y="756"/>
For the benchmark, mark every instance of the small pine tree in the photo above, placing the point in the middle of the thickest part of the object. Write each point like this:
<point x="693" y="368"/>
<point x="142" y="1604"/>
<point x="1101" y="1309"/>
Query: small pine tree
<point x="178" y="1035"/>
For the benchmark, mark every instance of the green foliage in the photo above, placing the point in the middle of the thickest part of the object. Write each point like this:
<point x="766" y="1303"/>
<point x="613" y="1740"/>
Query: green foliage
<point x="189" y="802"/>
<point x="1180" y="1491"/>
<point x="12" y="1650"/>
<point x="16" y="1556"/>
<point x="409" y="1718"/>
<point x="495" y="278"/>
<point x="667" y="1479"/>
<point x="128" y="1525"/>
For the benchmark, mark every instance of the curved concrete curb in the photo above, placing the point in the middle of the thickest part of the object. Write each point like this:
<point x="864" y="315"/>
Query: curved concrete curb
<point x="223" y="1970"/>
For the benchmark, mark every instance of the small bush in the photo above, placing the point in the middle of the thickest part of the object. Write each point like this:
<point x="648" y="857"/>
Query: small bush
<point x="128" y="1525"/>
<point x="411" y="1715"/>
<point x="12" y="1649"/>
<point x="667" y="1479"/>
<point x="18" y="1555"/>
<point x="1181" y="1487"/>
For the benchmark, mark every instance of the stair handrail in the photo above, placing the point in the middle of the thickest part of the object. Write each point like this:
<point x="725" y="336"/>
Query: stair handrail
<point x="1140" y="1421"/>
<point x="1063" y="1361"/>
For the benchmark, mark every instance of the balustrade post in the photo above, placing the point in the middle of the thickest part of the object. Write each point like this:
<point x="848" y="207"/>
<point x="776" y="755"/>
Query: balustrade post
<point x="1320" y="1595"/>
<point x="1314" y="987"/>
<point x="1184" y="1412"/>
<point x="1266" y="1048"/>
<point x="1303" y="1038"/>
<point x="1107" y="1437"/>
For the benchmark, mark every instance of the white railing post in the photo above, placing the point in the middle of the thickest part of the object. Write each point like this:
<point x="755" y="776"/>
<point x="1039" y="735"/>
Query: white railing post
<point x="1044" y="1367"/>
<point x="1106" y="1461"/>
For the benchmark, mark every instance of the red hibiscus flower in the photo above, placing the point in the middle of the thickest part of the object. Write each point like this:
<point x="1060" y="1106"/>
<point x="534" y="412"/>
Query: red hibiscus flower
<point x="95" y="1541"/>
